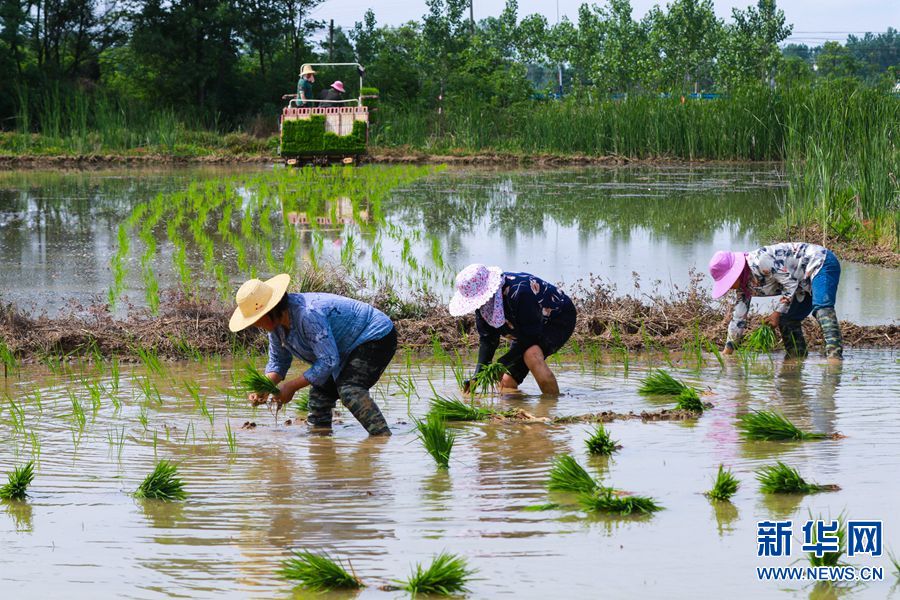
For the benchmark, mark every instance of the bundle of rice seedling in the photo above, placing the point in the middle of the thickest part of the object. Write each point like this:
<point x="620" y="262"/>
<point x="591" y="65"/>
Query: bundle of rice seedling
<point x="162" y="483"/>
<point x="318" y="572"/>
<point x="660" y="383"/>
<point x="452" y="409"/>
<point x="600" y="442"/>
<point x="256" y="382"/>
<point x="828" y="559"/>
<point x="446" y="575"/>
<point x="606" y="500"/>
<point x="782" y="479"/>
<point x="433" y="433"/>
<point x="567" y="475"/>
<point x="768" y="425"/>
<point x="18" y="482"/>
<point x="689" y="400"/>
<point x="725" y="485"/>
<point x="487" y="378"/>
<point x="761" y="339"/>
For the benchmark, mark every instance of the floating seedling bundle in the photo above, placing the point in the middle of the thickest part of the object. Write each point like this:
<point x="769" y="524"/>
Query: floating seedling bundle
<point x="660" y="383"/>
<point x="433" y="433"/>
<point x="446" y="575"/>
<point x="566" y="475"/>
<point x="725" y="485"/>
<point x="782" y="479"/>
<point x="453" y="409"/>
<point x="600" y="442"/>
<point x="768" y="425"/>
<point x="162" y="483"/>
<point x="18" y="482"/>
<point x="607" y="500"/>
<point x="318" y="572"/>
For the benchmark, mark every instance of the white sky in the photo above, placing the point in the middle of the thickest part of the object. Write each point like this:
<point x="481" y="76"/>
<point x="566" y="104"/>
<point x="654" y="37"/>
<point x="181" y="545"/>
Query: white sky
<point x="815" y="21"/>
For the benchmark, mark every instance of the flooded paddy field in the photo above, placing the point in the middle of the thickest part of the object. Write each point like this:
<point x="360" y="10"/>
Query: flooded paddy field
<point x="384" y="505"/>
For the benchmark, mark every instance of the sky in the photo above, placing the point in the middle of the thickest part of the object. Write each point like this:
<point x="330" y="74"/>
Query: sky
<point x="815" y="21"/>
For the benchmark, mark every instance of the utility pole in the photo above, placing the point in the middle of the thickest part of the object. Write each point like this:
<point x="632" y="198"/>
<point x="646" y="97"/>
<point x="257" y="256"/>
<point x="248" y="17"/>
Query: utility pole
<point x="471" y="17"/>
<point x="331" y="41"/>
<point x="559" y="66"/>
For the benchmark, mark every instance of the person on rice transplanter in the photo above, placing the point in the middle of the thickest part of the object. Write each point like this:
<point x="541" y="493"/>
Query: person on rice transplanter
<point x="537" y="316"/>
<point x="806" y="276"/>
<point x="347" y="343"/>
<point x="305" y="87"/>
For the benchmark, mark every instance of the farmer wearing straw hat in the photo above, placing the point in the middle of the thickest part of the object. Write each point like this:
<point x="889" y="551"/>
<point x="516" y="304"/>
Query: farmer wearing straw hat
<point x="347" y="343"/>
<point x="333" y="94"/>
<point x="305" y="87"/>
<point x="533" y="313"/>
<point x="806" y="278"/>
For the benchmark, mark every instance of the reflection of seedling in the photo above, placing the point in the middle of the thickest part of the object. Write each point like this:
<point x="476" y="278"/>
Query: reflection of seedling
<point x="782" y="479"/>
<point x="689" y="400"/>
<point x="567" y="475"/>
<point x="608" y="501"/>
<point x="18" y="482"/>
<point x="488" y="377"/>
<point x="162" y="484"/>
<point x="433" y="433"/>
<point x="318" y="572"/>
<point x="660" y="383"/>
<point x="761" y="339"/>
<point x="768" y="425"/>
<point x="446" y="575"/>
<point x="600" y="442"/>
<point x="725" y="485"/>
<point x="452" y="409"/>
<point x="828" y="559"/>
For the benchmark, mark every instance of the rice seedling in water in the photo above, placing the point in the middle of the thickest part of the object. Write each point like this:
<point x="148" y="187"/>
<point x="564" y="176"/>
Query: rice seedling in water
<point x="230" y="438"/>
<point x="8" y="358"/>
<point x="782" y="479"/>
<point x="318" y="572"/>
<point x="18" y="482"/>
<point x="896" y="564"/>
<point x="452" y="409"/>
<point x="162" y="483"/>
<point x="433" y="433"/>
<point x="761" y="339"/>
<point x="150" y="359"/>
<point x="725" y="485"/>
<point x="254" y="381"/>
<point x="838" y="536"/>
<point x="488" y="377"/>
<point x="768" y="425"/>
<point x="689" y="400"/>
<point x="446" y="575"/>
<point x="566" y="475"/>
<point x="600" y="442"/>
<point x="301" y="400"/>
<point x="606" y="500"/>
<point x="660" y="383"/>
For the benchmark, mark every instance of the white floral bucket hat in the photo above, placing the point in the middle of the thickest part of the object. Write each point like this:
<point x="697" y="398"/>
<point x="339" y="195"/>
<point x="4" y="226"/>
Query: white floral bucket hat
<point x="475" y="285"/>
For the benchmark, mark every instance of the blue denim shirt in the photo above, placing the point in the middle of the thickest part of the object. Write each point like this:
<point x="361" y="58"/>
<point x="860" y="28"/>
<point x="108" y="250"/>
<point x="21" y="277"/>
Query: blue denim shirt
<point x="325" y="329"/>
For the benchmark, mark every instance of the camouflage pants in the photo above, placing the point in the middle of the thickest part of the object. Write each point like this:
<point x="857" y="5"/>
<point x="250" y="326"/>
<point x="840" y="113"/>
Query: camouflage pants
<point x="363" y="369"/>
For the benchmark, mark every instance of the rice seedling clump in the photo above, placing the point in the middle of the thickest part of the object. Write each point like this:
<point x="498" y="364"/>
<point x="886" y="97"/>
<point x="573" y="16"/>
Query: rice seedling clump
<point x="318" y="572"/>
<point x="446" y="575"/>
<point x="689" y="400"/>
<point x="782" y="479"/>
<point x="18" y="482"/>
<point x="761" y="339"/>
<point x="433" y="433"/>
<point x="452" y="409"/>
<point x="567" y="475"/>
<point x="768" y="426"/>
<point x="488" y="377"/>
<point x="256" y="382"/>
<point x="606" y="500"/>
<point x="600" y="443"/>
<point x="660" y="383"/>
<point x="725" y="485"/>
<point x="162" y="484"/>
<point x="827" y="559"/>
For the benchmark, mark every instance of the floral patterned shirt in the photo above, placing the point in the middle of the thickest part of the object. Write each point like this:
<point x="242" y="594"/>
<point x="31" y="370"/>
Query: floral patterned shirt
<point x="784" y="270"/>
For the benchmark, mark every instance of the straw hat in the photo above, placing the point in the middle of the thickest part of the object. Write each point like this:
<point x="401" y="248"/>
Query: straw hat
<point x="307" y="70"/>
<point x="725" y="268"/>
<point x="339" y="86"/>
<point x="474" y="286"/>
<point x="255" y="298"/>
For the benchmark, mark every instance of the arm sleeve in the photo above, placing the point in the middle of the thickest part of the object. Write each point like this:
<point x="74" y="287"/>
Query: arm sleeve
<point x="321" y="341"/>
<point x="488" y="341"/>
<point x="279" y="357"/>
<point x="528" y="320"/>
<point x="738" y="324"/>
<point x="789" y="285"/>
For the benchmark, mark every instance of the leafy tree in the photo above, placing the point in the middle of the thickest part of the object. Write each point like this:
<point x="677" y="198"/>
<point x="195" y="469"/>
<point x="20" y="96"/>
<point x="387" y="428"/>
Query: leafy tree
<point x="750" y="46"/>
<point x="684" y="42"/>
<point x="834" y="61"/>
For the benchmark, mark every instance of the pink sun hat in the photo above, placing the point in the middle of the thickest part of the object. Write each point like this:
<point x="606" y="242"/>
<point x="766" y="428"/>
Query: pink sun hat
<point x="338" y="86"/>
<point x="474" y="286"/>
<point x="725" y="268"/>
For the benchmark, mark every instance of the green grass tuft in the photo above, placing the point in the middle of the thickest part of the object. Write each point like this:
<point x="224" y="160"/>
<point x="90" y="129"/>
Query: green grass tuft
<point x="446" y="575"/>
<point x="768" y="426"/>
<point x="256" y="382"/>
<point x="453" y="409"/>
<point x="19" y="480"/>
<point x="782" y="479"/>
<point x="162" y="484"/>
<point x="606" y="500"/>
<point x="600" y="442"/>
<point x="437" y="439"/>
<point x="318" y="572"/>
<point x="761" y="339"/>
<point x="689" y="400"/>
<point x="567" y="475"/>
<point x="660" y="383"/>
<point x="725" y="485"/>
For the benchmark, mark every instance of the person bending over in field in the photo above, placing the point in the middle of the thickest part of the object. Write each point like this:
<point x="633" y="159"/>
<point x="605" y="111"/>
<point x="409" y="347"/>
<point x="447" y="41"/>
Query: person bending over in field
<point x="537" y="317"/>
<point x="347" y="343"/>
<point x="805" y="276"/>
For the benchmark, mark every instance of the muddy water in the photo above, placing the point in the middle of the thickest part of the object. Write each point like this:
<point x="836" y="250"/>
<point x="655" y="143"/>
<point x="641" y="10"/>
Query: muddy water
<point x="383" y="504"/>
<point x="58" y="230"/>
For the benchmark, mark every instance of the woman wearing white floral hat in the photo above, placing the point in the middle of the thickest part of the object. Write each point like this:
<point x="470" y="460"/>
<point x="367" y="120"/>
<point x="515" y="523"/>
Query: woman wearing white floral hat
<point x="347" y="343"/>
<point x="537" y="316"/>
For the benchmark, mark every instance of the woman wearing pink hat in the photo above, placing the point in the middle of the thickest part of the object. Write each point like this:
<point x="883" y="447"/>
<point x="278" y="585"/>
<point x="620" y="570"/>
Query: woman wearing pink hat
<point x="535" y="314"/>
<point x="334" y="93"/>
<point x="806" y="278"/>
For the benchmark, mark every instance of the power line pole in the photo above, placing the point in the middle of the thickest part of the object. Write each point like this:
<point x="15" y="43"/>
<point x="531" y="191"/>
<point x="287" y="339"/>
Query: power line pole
<point x="471" y="17"/>
<point x="331" y="41"/>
